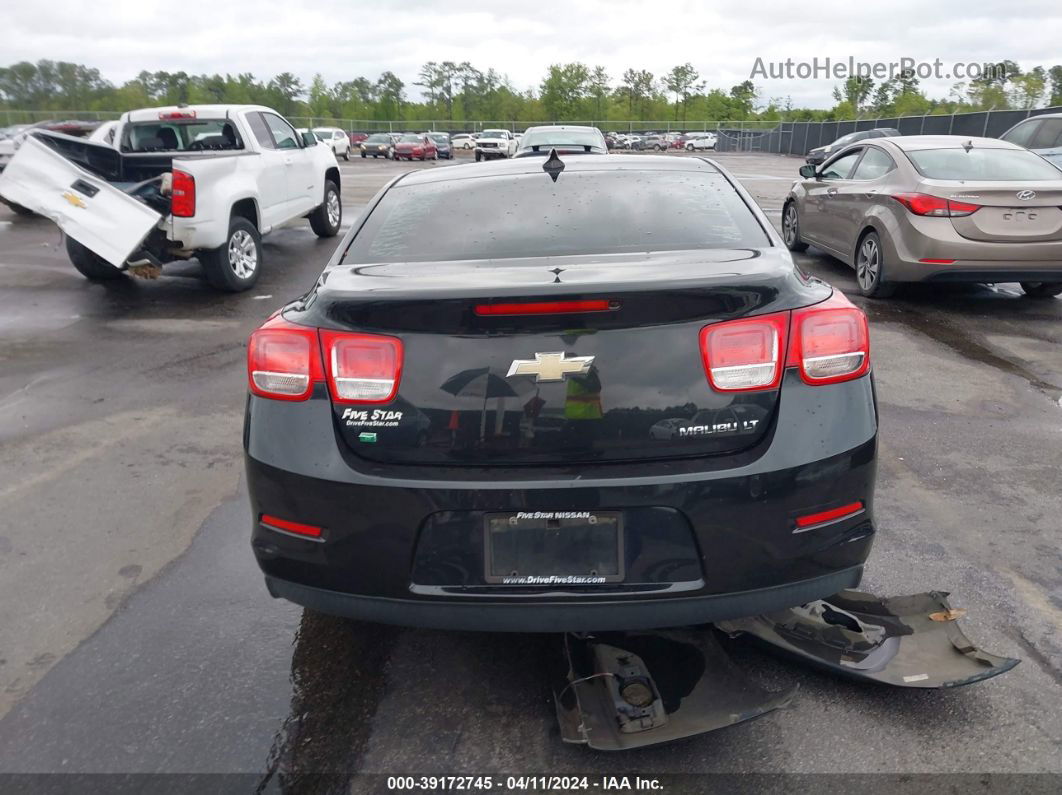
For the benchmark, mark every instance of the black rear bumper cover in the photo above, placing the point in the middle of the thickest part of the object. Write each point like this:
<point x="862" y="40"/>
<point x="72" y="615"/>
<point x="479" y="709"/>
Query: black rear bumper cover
<point x="565" y="616"/>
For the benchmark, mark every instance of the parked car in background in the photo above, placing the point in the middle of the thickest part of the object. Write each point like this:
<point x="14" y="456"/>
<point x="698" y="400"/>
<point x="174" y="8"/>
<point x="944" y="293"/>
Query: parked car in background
<point x="1042" y="134"/>
<point x="463" y="141"/>
<point x="415" y="146"/>
<point x="11" y="137"/>
<point x="177" y="185"/>
<point x="356" y="138"/>
<point x="933" y="208"/>
<point x="657" y="143"/>
<point x="819" y="154"/>
<point x="357" y="509"/>
<point x="334" y="138"/>
<point x="699" y="142"/>
<point x="443" y="144"/>
<point x="378" y="145"/>
<point x="494" y="144"/>
<point x="565" y="138"/>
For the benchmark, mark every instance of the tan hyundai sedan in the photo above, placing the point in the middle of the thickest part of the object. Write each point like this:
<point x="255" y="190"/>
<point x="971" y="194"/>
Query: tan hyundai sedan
<point x="933" y="208"/>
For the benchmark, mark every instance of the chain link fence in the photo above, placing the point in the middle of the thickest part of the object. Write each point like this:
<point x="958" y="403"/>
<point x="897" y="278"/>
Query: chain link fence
<point x="787" y="137"/>
<point x="796" y="138"/>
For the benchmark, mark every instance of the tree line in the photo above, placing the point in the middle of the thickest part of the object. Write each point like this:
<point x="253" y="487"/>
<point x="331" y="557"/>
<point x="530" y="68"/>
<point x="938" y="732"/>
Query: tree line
<point x="568" y="92"/>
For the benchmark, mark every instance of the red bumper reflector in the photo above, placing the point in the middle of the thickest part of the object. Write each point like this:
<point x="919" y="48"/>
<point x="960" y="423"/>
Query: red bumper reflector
<point x="290" y="527"/>
<point x="828" y="516"/>
<point x="545" y="308"/>
<point x="937" y="261"/>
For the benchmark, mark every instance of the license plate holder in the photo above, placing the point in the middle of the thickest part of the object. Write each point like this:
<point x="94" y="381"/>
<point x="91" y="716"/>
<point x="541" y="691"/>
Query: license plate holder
<point x="553" y="548"/>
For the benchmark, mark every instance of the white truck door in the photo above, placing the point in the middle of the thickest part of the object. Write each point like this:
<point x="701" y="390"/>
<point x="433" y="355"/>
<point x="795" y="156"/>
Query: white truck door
<point x="299" y="161"/>
<point x="99" y="216"/>
<point x="273" y="192"/>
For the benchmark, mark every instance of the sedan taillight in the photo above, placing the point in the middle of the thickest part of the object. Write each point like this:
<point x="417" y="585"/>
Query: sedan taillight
<point x="828" y="343"/>
<point x="924" y="204"/>
<point x="284" y="361"/>
<point x="362" y="368"/>
<point x="745" y="355"/>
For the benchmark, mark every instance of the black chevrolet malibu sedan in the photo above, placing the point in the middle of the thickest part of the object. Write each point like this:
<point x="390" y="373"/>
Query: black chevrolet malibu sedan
<point x="454" y="427"/>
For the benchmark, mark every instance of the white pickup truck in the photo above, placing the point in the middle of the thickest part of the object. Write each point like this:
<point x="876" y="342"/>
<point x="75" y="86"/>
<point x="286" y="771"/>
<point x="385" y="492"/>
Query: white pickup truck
<point x="204" y="181"/>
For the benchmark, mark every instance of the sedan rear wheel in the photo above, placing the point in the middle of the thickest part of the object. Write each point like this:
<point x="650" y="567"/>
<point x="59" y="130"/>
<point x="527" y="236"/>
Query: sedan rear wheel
<point x="791" y="228"/>
<point x="1041" y="289"/>
<point x="870" y="268"/>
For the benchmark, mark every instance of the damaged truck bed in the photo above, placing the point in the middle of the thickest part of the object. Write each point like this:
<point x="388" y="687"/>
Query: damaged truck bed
<point x="617" y="691"/>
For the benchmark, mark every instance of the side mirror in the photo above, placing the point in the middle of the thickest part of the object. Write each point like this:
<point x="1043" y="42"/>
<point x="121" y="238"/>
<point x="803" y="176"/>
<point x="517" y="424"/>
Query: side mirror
<point x="309" y="139"/>
<point x="808" y="172"/>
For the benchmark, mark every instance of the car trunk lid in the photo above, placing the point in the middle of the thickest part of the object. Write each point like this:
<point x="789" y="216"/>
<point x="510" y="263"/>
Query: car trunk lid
<point x="539" y="362"/>
<point x="1005" y="214"/>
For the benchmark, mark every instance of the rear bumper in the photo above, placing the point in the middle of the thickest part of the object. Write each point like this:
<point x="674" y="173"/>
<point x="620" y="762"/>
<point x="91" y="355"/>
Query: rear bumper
<point x="571" y="615"/>
<point x="704" y="539"/>
<point x="910" y="239"/>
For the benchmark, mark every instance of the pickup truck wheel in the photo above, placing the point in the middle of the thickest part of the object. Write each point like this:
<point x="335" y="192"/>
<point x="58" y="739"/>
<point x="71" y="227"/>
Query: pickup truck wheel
<point x="89" y="264"/>
<point x="235" y="266"/>
<point x="325" y="220"/>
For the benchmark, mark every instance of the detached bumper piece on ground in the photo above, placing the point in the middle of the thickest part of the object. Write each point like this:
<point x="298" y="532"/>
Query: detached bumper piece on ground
<point x="631" y="690"/>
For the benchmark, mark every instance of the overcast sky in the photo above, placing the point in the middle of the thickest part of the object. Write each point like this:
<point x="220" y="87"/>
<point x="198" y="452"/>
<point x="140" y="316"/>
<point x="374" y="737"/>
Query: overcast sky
<point x="346" y="39"/>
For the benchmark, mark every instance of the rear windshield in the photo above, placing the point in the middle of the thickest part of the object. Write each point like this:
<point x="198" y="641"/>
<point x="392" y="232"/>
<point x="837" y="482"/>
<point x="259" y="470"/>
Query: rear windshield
<point x="528" y="215"/>
<point x="562" y="138"/>
<point x="410" y="139"/>
<point x="176" y="136"/>
<point x="991" y="165"/>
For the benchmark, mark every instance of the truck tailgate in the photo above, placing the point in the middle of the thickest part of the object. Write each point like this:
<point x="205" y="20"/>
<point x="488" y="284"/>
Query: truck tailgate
<point x="93" y="212"/>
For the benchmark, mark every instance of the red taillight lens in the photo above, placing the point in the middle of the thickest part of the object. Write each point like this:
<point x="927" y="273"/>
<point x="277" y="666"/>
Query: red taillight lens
<point x="545" y="308"/>
<point x="182" y="202"/>
<point x="362" y="368"/>
<point x="176" y="114"/>
<point x="283" y="360"/>
<point x="745" y="355"/>
<point x="923" y="204"/>
<point x="276" y="523"/>
<point x="830" y="342"/>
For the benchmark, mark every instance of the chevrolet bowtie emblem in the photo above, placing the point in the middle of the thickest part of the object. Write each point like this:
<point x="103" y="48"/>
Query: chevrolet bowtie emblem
<point x="550" y="366"/>
<point x="74" y="200"/>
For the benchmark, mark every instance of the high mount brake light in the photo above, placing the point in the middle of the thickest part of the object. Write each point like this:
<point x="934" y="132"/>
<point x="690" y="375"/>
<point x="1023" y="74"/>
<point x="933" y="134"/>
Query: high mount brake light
<point x="745" y="355"/>
<point x="283" y="360"/>
<point x="546" y="308"/>
<point x="362" y="368"/>
<point x="828" y="343"/>
<point x="923" y="204"/>
<point x="176" y="114"/>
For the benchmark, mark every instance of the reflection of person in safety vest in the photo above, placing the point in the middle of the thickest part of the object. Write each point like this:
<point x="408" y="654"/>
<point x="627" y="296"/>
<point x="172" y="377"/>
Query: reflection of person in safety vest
<point x="583" y="398"/>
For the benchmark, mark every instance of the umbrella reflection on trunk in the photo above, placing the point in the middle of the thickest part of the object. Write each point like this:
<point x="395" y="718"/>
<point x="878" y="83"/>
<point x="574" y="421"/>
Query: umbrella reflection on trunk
<point x="480" y="382"/>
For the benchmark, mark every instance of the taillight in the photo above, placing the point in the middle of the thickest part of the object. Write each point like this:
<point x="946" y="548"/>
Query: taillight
<point x="830" y="342"/>
<point x="362" y="368"/>
<point x="283" y="360"/>
<point x="745" y="355"/>
<point x="923" y="204"/>
<point x="287" y="526"/>
<point x="176" y="114"/>
<point x="182" y="201"/>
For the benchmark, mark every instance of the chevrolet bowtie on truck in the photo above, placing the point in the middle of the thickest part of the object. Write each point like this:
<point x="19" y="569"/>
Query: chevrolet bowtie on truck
<point x="204" y="181"/>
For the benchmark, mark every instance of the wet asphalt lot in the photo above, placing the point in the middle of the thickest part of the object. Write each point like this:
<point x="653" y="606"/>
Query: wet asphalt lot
<point x="136" y="634"/>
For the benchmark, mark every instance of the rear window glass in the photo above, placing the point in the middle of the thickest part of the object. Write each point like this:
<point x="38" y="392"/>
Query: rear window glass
<point x="992" y="165"/>
<point x="529" y="215"/>
<point x="172" y="136"/>
<point x="1048" y="136"/>
<point x="562" y="138"/>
